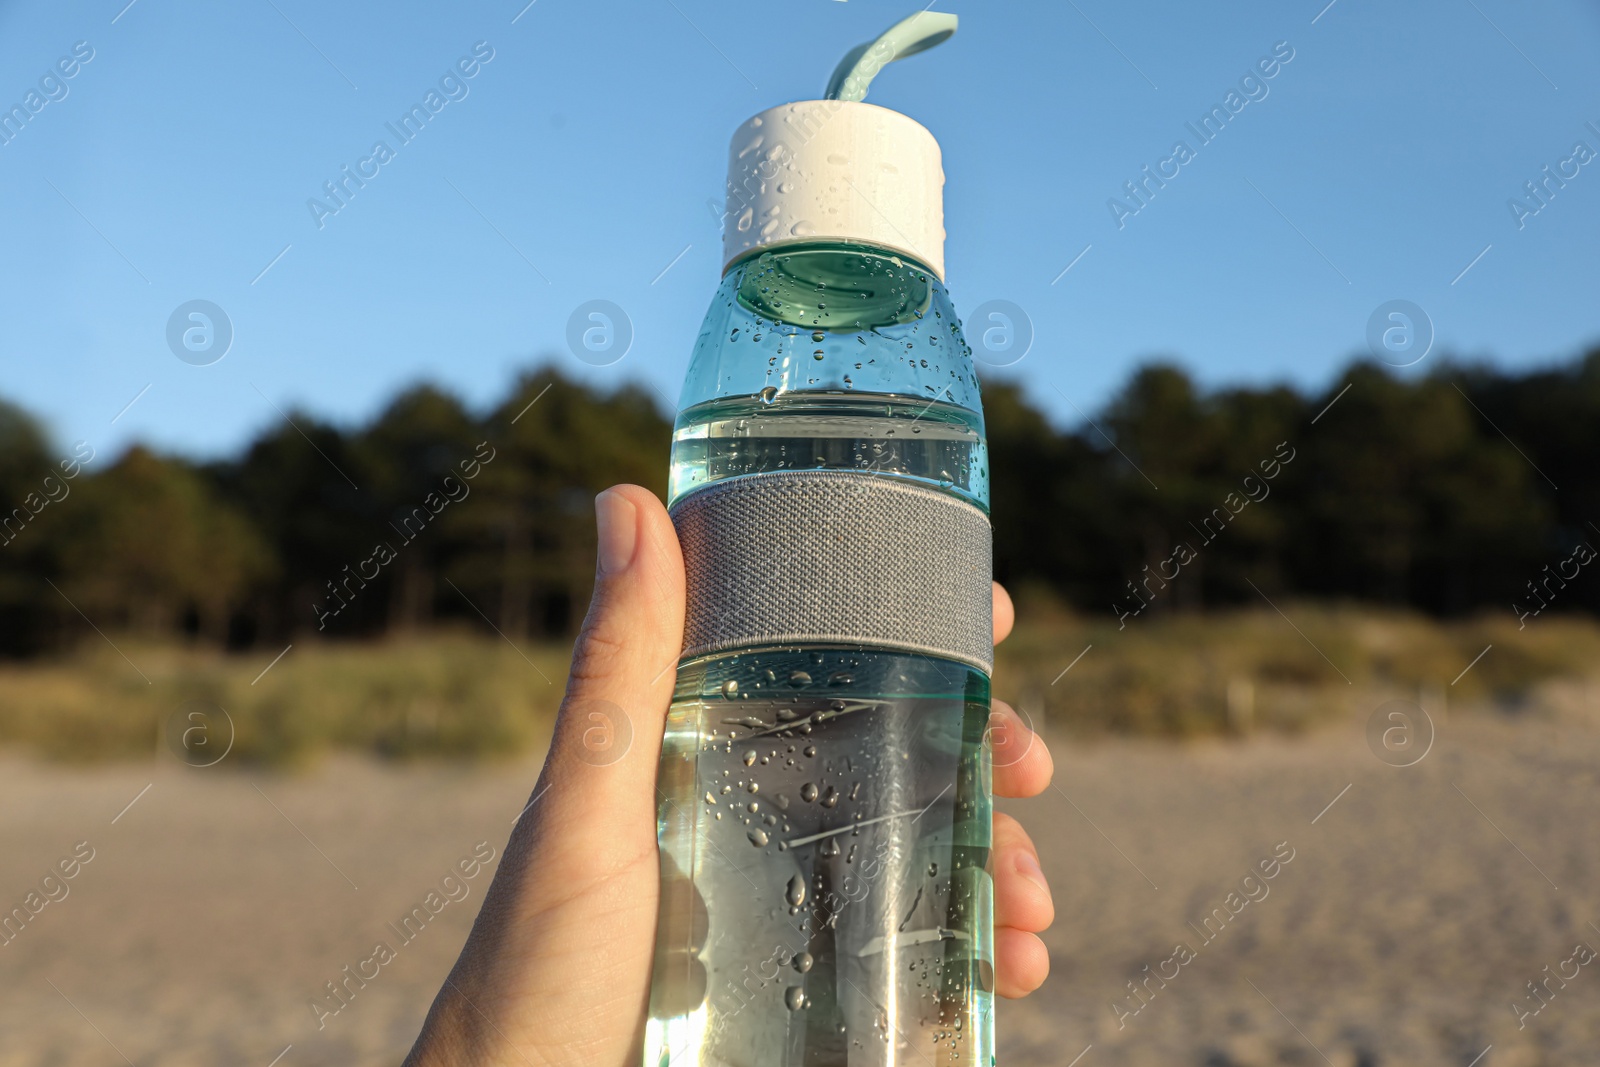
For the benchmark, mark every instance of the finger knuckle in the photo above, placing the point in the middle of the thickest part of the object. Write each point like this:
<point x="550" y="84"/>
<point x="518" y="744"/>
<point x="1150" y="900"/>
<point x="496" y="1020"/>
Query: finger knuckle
<point x="600" y="650"/>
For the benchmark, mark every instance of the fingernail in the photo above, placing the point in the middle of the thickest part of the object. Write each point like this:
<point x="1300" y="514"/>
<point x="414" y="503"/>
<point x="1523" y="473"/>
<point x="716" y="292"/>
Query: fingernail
<point x="1028" y="867"/>
<point x="617" y="523"/>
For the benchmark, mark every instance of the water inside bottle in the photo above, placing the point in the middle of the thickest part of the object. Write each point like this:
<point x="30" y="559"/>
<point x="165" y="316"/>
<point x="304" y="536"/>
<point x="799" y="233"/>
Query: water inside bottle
<point x="841" y="797"/>
<point x="932" y="442"/>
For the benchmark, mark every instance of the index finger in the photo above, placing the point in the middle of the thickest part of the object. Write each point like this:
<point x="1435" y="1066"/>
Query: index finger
<point x="1004" y="613"/>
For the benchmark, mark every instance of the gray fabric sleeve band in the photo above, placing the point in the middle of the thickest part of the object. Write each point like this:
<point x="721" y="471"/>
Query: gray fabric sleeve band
<point x="836" y="558"/>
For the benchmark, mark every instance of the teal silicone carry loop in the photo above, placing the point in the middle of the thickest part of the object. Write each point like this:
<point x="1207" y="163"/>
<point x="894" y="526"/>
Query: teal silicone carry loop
<point x="905" y="38"/>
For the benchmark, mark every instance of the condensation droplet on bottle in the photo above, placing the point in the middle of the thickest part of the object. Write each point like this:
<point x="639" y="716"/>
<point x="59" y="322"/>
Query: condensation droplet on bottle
<point x="730" y="688"/>
<point x="818" y="335"/>
<point x="770" y="393"/>
<point x="795" y="998"/>
<point x="799" y="678"/>
<point x="797" y="890"/>
<point x="808" y="792"/>
<point x="818" y="354"/>
<point x="758" y="838"/>
<point x="802" y="962"/>
<point x="811" y="750"/>
<point x="750" y="757"/>
<point x="830" y="798"/>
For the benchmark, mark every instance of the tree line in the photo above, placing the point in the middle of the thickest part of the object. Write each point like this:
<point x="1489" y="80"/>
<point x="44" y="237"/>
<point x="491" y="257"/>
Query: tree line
<point x="1466" y="489"/>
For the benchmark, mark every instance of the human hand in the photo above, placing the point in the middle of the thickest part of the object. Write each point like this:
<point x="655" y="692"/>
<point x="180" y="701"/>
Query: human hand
<point x="557" y="967"/>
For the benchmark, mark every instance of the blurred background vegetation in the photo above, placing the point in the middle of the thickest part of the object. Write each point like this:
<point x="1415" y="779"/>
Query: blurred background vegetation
<point x="1413" y="514"/>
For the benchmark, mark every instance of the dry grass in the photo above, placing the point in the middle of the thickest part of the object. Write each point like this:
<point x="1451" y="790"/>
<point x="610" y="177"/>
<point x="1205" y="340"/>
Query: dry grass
<point x="1244" y="672"/>
<point x="459" y="696"/>
<point x="440" y="695"/>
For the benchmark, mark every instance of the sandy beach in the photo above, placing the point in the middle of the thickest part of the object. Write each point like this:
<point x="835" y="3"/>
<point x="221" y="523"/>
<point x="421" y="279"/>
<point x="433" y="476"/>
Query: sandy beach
<point x="1414" y="906"/>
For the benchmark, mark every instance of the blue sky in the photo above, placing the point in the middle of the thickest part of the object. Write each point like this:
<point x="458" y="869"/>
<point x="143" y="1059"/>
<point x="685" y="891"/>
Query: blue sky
<point x="583" y="158"/>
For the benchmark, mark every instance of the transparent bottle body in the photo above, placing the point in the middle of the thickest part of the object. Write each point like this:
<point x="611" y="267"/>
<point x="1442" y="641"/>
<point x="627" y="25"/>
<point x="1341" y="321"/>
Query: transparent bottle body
<point x="824" y="812"/>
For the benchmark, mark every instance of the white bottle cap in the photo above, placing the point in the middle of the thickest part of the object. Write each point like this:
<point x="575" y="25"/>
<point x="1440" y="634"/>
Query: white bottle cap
<point x="839" y="168"/>
<point x="835" y="170"/>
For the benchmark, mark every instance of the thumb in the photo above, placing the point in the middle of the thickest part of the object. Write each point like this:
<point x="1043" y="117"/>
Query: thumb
<point x="560" y="954"/>
<point x="607" y="739"/>
<point x="628" y="648"/>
